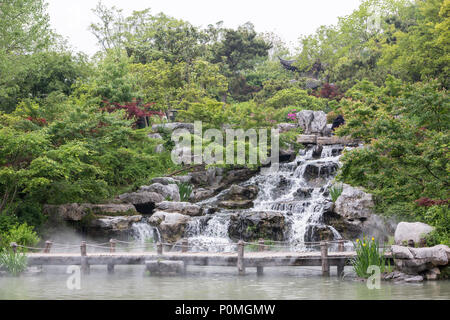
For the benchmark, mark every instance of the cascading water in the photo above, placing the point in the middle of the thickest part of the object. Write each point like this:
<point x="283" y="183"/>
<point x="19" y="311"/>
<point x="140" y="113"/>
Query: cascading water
<point x="144" y="232"/>
<point x="299" y="190"/>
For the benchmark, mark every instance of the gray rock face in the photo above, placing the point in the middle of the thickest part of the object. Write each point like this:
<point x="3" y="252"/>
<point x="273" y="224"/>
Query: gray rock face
<point x="171" y="225"/>
<point x="167" y="191"/>
<point x="174" y="126"/>
<point x="201" y="194"/>
<point x="144" y="201"/>
<point x="411" y="231"/>
<point x="251" y="226"/>
<point x="76" y="212"/>
<point x="239" y="197"/>
<point x="420" y="260"/>
<point x="312" y="122"/>
<point x="185" y="208"/>
<point x="354" y="204"/>
<point x="155" y="136"/>
<point x="163" y="180"/>
<point x="116" y="223"/>
<point x="284" y="127"/>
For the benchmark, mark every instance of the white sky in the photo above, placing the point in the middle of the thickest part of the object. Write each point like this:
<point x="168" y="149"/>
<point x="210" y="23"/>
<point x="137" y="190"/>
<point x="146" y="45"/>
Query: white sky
<point x="288" y="18"/>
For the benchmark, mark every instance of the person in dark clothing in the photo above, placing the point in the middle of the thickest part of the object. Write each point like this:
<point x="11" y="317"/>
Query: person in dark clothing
<point x="339" y="121"/>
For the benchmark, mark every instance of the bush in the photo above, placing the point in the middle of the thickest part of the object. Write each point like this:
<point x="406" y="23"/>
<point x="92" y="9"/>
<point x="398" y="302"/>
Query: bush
<point x="22" y="234"/>
<point x="368" y="254"/>
<point x="14" y="263"/>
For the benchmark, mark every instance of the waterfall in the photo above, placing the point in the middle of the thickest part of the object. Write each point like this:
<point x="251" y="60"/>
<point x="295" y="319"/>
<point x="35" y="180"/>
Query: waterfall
<point x="299" y="190"/>
<point x="143" y="232"/>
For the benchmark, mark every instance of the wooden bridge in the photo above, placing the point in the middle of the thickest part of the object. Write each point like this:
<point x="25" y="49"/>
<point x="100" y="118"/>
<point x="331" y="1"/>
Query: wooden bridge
<point x="239" y="259"/>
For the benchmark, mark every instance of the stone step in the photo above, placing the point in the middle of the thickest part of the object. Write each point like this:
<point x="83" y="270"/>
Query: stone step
<point x="314" y="139"/>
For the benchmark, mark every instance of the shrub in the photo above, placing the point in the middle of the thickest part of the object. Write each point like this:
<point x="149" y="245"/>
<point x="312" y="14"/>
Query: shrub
<point x="368" y="254"/>
<point x="336" y="191"/>
<point x="14" y="263"/>
<point x="185" y="191"/>
<point x="22" y="234"/>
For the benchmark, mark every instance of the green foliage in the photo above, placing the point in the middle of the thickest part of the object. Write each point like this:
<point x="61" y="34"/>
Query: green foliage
<point x="185" y="191"/>
<point x="368" y="254"/>
<point x="295" y="97"/>
<point x="336" y="191"/>
<point x="15" y="263"/>
<point x="22" y="234"/>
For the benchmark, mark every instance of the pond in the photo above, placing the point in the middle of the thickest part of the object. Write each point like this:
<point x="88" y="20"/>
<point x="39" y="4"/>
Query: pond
<point x="211" y="283"/>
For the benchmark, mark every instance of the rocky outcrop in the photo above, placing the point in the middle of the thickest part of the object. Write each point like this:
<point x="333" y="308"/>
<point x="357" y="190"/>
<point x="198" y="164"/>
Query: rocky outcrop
<point x="352" y="216"/>
<point x="185" y="208"/>
<point x="415" y="231"/>
<point x="326" y="141"/>
<point x="144" y="201"/>
<point x="174" y="126"/>
<point x="315" y="233"/>
<point x="171" y="225"/>
<point x="113" y="225"/>
<point x="76" y="212"/>
<point x="312" y="122"/>
<point x="316" y="174"/>
<point x="354" y="204"/>
<point x="239" y="197"/>
<point x="251" y="226"/>
<point x="422" y="261"/>
<point x="169" y="191"/>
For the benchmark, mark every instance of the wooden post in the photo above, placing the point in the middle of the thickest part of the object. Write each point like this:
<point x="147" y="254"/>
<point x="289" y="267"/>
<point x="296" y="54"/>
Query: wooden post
<point x="112" y="246"/>
<point x="14" y="247"/>
<point x="159" y="248"/>
<point x="48" y="246"/>
<point x="240" y="258"/>
<point x="84" y="261"/>
<point x="261" y="248"/>
<point x="341" y="264"/>
<point x="112" y="249"/>
<point x="324" y="258"/>
<point x="184" y="245"/>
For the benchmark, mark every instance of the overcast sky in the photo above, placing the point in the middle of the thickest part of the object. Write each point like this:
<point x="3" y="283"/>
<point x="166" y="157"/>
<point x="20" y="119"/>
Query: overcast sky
<point x="288" y="18"/>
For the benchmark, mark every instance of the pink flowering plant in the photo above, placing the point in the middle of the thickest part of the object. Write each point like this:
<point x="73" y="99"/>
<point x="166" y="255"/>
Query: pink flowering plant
<point x="292" y="116"/>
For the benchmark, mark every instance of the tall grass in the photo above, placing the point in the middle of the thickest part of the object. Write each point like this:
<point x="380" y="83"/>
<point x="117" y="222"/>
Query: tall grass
<point x="185" y="191"/>
<point x="368" y="254"/>
<point x="14" y="263"/>
<point x="336" y="191"/>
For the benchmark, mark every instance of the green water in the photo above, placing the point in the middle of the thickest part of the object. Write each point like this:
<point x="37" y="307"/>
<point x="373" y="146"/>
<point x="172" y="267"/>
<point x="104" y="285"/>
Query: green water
<point x="129" y="282"/>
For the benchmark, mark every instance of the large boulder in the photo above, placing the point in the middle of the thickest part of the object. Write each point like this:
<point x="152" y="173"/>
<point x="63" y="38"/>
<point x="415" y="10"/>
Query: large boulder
<point x="354" y="204"/>
<point x="251" y="226"/>
<point x="169" y="191"/>
<point x="144" y="201"/>
<point x="185" y="208"/>
<point x="164" y="180"/>
<point x="171" y="225"/>
<point x="415" y="231"/>
<point x="420" y="260"/>
<point x="76" y="212"/>
<point x="312" y="122"/>
<point x="239" y="197"/>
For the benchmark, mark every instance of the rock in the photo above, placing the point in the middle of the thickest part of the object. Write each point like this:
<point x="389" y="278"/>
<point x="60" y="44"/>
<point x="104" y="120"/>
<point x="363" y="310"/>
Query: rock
<point x="237" y="204"/>
<point x="174" y="126"/>
<point x="287" y="155"/>
<point x="411" y="231"/>
<point x="414" y="279"/>
<point x="317" y="173"/>
<point x="237" y="192"/>
<point x="347" y="141"/>
<point x="303" y="193"/>
<point x="163" y="180"/>
<point x="207" y="178"/>
<point x="418" y="260"/>
<point x="432" y="274"/>
<point x="307" y="139"/>
<point x="169" y="191"/>
<point x="185" y="208"/>
<point x="76" y="212"/>
<point x="251" y="226"/>
<point x="171" y="225"/>
<point x="284" y="127"/>
<point x="160" y="148"/>
<point x="183" y="179"/>
<point x="354" y="204"/>
<point x="317" y="151"/>
<point x="236" y="176"/>
<point x="144" y="202"/>
<point x="312" y="122"/>
<point x="115" y="223"/>
<point x="201" y="194"/>
<point x="155" y="136"/>
<point x="315" y="233"/>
